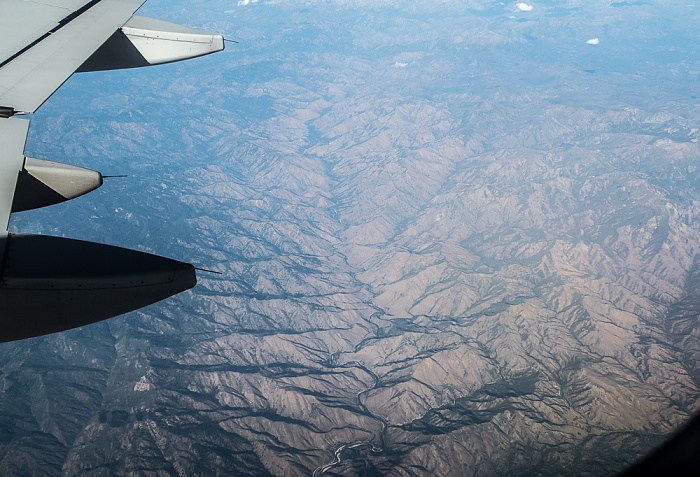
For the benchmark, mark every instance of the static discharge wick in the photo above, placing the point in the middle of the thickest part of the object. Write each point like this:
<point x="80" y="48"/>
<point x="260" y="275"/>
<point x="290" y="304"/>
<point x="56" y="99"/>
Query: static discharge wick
<point x="209" y="271"/>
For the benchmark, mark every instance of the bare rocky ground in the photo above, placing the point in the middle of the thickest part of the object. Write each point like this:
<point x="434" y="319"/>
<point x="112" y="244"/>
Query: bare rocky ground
<point x="454" y="241"/>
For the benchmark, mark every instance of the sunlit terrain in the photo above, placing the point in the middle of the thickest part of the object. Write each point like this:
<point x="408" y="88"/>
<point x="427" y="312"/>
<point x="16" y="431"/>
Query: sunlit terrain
<point x="455" y="238"/>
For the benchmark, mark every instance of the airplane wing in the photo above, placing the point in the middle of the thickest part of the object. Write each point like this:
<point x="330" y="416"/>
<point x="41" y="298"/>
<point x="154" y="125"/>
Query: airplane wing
<point x="59" y="39"/>
<point x="50" y="284"/>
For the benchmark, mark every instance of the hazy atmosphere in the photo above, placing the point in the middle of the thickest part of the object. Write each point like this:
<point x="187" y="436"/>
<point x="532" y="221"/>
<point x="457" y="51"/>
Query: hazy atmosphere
<point x="455" y="238"/>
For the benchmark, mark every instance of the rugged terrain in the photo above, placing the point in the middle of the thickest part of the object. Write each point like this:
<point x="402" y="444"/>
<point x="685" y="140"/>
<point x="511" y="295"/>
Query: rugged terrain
<point x="454" y="239"/>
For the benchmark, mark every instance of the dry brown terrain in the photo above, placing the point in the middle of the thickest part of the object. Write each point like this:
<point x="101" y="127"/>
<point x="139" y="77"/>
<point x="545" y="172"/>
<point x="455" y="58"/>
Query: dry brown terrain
<point x="453" y="242"/>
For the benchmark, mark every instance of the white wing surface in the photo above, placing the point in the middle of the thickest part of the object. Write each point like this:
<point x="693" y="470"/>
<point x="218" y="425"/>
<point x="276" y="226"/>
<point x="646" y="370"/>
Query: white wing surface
<point x="53" y="50"/>
<point x="13" y="135"/>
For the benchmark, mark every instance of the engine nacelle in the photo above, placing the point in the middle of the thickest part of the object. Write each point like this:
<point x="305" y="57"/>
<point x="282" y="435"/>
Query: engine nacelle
<point x="144" y="42"/>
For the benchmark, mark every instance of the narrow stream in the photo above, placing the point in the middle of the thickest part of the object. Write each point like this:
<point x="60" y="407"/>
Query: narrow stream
<point x="372" y="447"/>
